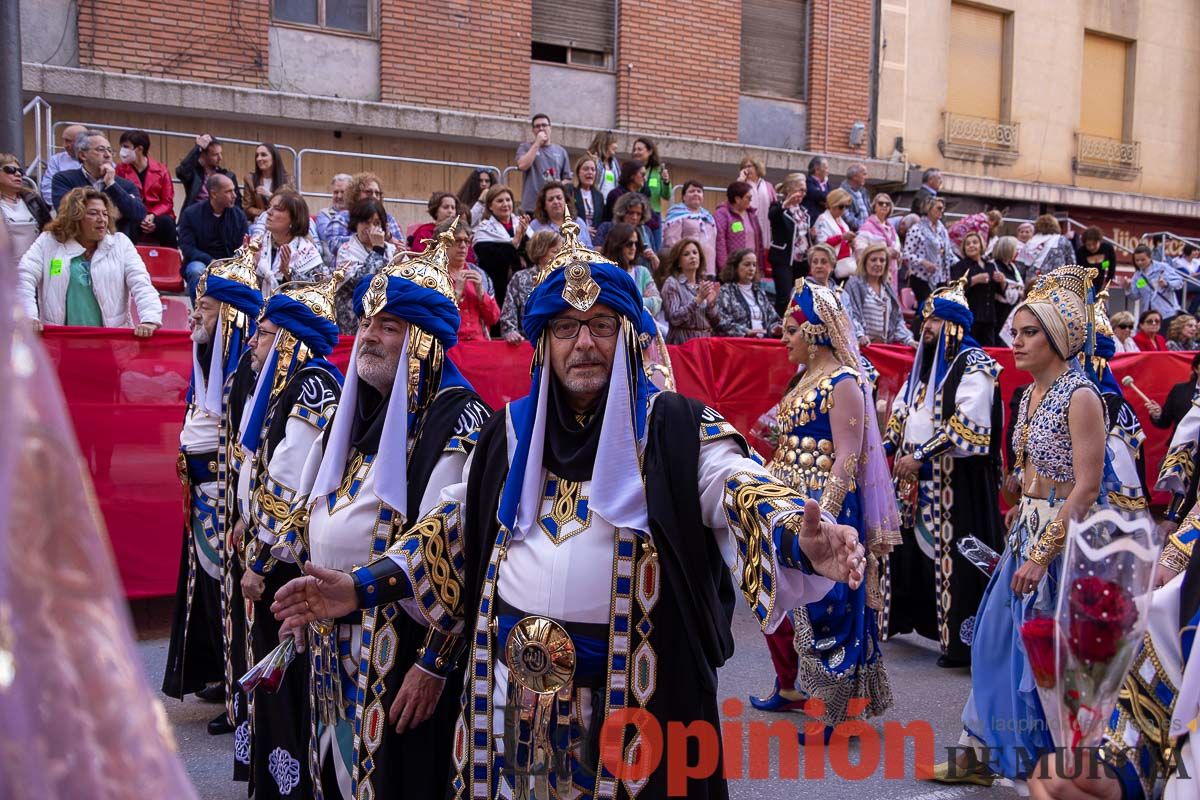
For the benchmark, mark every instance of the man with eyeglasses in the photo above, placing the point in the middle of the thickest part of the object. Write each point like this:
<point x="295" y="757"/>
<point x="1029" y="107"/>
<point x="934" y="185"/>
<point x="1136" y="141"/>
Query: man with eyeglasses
<point x="97" y="171"/>
<point x="592" y="556"/>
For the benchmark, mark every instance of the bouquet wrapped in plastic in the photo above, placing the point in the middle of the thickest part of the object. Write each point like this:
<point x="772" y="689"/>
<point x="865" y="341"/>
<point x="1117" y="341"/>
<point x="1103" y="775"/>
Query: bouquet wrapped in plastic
<point x="1081" y="654"/>
<point x="268" y="673"/>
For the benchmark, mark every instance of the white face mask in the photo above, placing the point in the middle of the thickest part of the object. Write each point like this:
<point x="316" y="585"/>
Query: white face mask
<point x="126" y="155"/>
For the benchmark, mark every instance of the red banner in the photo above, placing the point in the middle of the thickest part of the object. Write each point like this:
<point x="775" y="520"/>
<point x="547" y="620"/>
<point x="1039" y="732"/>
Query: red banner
<point x="126" y="400"/>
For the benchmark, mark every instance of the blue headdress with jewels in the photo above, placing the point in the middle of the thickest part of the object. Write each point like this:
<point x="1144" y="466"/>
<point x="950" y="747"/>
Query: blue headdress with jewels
<point x="305" y="315"/>
<point x="949" y="304"/>
<point x="419" y="292"/>
<point x="232" y="282"/>
<point x="579" y="278"/>
<point x="1106" y="348"/>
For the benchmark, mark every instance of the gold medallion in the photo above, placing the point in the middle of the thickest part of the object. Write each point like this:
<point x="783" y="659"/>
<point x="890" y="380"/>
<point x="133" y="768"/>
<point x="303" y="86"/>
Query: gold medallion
<point x="540" y="655"/>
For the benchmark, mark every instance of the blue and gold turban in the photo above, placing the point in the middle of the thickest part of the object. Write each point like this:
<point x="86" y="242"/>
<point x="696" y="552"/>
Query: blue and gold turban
<point x="232" y="282"/>
<point x="419" y="292"/>
<point x="307" y="333"/>
<point x="579" y="278"/>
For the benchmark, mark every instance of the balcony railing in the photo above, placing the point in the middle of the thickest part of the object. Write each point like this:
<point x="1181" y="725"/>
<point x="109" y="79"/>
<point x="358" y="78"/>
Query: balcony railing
<point x="980" y="139"/>
<point x="1101" y="157"/>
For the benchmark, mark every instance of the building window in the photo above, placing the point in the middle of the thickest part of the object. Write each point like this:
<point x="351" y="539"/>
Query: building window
<point x="980" y="63"/>
<point x="774" y="47"/>
<point x="576" y="32"/>
<point x="1106" y="97"/>
<point x="1104" y="145"/>
<point x="353" y="16"/>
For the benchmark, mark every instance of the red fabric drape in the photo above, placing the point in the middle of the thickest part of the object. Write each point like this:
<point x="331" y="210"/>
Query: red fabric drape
<point x="126" y="400"/>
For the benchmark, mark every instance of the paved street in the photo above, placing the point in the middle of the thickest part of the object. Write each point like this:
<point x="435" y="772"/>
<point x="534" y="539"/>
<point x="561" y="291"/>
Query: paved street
<point x="922" y="692"/>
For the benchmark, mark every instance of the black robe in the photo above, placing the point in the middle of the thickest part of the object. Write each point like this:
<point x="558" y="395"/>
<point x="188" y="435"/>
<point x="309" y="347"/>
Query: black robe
<point x="690" y="624"/>
<point x="281" y="719"/>
<point x="233" y="604"/>
<point x="973" y="507"/>
<point x="416" y="763"/>
<point x="195" y="654"/>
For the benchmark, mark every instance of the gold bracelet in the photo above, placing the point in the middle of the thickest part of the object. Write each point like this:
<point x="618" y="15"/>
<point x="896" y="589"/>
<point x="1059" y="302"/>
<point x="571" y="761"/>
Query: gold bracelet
<point x="834" y="495"/>
<point x="1049" y="544"/>
<point x="1173" y="558"/>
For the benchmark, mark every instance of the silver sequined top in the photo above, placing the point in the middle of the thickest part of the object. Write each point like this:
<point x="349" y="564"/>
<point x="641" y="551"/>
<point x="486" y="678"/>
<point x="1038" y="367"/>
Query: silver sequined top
<point x="1046" y="438"/>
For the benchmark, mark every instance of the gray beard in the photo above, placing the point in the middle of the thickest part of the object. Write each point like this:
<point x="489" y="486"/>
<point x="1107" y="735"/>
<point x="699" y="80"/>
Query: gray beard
<point x="377" y="375"/>
<point x="201" y="335"/>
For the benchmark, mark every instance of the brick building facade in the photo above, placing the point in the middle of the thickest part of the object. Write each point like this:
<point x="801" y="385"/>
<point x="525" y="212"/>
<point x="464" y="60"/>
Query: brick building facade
<point x="675" y="67"/>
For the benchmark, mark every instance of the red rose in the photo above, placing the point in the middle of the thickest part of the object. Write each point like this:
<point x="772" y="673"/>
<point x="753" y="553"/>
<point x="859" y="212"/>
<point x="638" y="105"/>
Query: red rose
<point x="1102" y="613"/>
<point x="1038" y="636"/>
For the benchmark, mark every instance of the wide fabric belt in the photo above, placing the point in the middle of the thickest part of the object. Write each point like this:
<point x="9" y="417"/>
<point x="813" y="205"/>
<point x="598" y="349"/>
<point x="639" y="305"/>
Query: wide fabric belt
<point x="538" y="638"/>
<point x="199" y="467"/>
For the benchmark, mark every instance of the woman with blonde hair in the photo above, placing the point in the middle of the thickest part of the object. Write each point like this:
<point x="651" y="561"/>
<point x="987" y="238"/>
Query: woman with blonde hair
<point x="872" y="301"/>
<point x="762" y="193"/>
<point x="1047" y="250"/>
<point x="608" y="167"/>
<point x="1004" y="255"/>
<point x="80" y="271"/>
<point x="541" y="247"/>
<point x="1181" y="333"/>
<point x="789" y="237"/>
<point x="831" y="229"/>
<point x="877" y="229"/>
<point x="982" y="280"/>
<point x="1123" y="325"/>
<point x="24" y="212"/>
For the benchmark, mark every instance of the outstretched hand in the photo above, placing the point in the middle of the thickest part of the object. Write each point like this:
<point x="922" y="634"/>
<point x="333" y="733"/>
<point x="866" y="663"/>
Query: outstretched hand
<point x="321" y="594"/>
<point x="833" y="550"/>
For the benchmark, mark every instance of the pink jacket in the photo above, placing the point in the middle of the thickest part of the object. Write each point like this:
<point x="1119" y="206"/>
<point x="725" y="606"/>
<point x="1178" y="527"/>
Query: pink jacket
<point x="736" y="231"/>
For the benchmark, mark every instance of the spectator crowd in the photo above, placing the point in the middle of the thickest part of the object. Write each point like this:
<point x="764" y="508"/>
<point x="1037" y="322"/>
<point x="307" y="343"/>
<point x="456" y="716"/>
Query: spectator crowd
<point x="727" y="271"/>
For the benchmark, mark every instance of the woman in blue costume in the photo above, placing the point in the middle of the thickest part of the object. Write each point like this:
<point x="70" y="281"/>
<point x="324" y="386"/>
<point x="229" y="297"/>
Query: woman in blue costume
<point x="1059" y="446"/>
<point x="828" y="442"/>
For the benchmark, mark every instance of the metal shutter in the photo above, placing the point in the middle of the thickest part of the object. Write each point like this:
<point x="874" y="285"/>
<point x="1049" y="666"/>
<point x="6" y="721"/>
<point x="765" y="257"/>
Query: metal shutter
<point x="774" y="47"/>
<point x="976" y="61"/>
<point x="582" y="24"/>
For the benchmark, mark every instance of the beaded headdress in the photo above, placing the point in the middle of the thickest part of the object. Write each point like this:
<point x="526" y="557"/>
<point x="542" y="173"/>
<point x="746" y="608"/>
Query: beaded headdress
<point x="1066" y="290"/>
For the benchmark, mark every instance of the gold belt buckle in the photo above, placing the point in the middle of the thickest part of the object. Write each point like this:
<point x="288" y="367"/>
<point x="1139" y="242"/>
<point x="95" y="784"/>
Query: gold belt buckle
<point x="540" y="655"/>
<point x="181" y="469"/>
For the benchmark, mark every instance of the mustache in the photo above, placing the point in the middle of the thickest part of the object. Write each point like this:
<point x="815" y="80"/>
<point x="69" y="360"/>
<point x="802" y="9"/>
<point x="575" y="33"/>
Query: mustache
<point x="584" y="360"/>
<point x="371" y="351"/>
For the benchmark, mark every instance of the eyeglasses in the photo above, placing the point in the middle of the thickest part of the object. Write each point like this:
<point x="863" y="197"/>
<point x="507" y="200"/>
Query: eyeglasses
<point x="631" y="244"/>
<point x="604" y="327"/>
<point x="101" y="149"/>
<point x="12" y="169"/>
<point x="1125" y="327"/>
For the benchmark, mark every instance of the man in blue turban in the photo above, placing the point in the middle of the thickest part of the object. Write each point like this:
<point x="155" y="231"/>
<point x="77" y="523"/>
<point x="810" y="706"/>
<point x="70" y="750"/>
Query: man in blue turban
<point x="945" y="433"/>
<point x="198" y="658"/>
<point x="406" y="424"/>
<point x="294" y="399"/>
<point x="592" y="558"/>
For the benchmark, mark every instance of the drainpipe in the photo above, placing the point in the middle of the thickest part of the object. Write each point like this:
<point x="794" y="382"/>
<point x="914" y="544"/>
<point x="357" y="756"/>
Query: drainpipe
<point x="876" y="68"/>
<point x="828" y="58"/>
<point x="12" y="127"/>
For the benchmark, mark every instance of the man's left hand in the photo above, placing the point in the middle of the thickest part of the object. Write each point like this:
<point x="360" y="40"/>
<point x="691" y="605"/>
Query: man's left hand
<point x="416" y="700"/>
<point x="906" y="467"/>
<point x="833" y="550"/>
<point x="147" y="224"/>
<point x="253" y="585"/>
